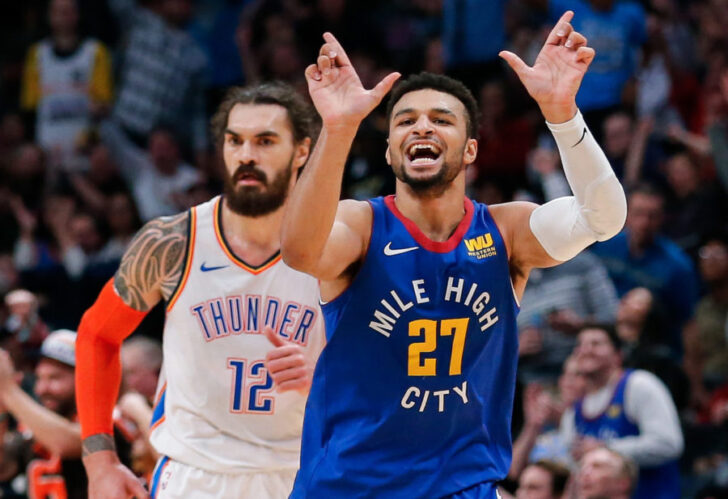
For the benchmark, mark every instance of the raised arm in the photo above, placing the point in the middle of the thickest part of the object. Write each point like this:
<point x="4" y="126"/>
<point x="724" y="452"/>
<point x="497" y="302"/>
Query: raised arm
<point x="541" y="236"/>
<point x="321" y="236"/>
<point x="56" y="433"/>
<point x="149" y="272"/>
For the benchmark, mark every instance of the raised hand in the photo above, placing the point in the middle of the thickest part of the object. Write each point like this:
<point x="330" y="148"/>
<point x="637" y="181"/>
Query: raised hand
<point x="336" y="90"/>
<point x="555" y="77"/>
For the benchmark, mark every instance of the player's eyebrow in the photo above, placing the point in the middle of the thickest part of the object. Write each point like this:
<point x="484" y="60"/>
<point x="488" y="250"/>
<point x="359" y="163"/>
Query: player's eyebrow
<point x="438" y="110"/>
<point x="264" y="133"/>
<point x="442" y="110"/>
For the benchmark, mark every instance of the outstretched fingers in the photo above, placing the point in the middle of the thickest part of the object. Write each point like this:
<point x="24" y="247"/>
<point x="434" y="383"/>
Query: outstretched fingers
<point x="561" y="31"/>
<point x="515" y="62"/>
<point x="335" y="50"/>
<point x="383" y="87"/>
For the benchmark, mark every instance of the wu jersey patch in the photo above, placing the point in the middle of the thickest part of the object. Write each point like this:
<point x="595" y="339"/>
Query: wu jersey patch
<point x="480" y="247"/>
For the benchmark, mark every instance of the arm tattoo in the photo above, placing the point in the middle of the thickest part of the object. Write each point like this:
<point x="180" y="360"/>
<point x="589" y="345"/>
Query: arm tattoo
<point x="98" y="442"/>
<point x="153" y="263"/>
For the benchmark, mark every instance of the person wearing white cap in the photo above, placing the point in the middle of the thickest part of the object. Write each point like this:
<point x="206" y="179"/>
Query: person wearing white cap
<point x="51" y="419"/>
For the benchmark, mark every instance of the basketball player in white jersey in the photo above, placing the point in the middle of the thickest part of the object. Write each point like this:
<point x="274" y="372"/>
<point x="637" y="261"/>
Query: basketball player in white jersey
<point x="242" y="331"/>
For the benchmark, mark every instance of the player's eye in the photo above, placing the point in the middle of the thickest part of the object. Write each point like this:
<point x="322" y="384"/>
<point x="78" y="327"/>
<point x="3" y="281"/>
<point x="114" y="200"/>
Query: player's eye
<point x="264" y="141"/>
<point x="406" y="121"/>
<point x="441" y="121"/>
<point x="233" y="140"/>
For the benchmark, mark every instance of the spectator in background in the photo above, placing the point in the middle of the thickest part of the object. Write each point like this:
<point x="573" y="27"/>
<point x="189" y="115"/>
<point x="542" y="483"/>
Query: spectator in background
<point x="718" y="131"/>
<point x="141" y="360"/>
<point x="66" y="84"/>
<point x="557" y="302"/>
<point x="706" y="348"/>
<point x="630" y="151"/>
<point x="629" y="412"/>
<point x="95" y="187"/>
<point x="24" y="330"/>
<point x="616" y="30"/>
<point x="76" y="239"/>
<point x="123" y="222"/>
<point x="640" y="257"/>
<point x="504" y="138"/>
<point x="604" y="473"/>
<point x="539" y="438"/>
<point x="50" y="423"/>
<point x="543" y="480"/>
<point x="162" y="75"/>
<point x="641" y="327"/>
<point x="157" y="177"/>
<point x="473" y="33"/>
<point x="26" y="174"/>
<point x="694" y="211"/>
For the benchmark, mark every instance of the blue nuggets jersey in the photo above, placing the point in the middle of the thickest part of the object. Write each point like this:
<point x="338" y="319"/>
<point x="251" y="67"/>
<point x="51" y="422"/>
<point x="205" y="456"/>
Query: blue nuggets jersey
<point x="413" y="394"/>
<point x="657" y="482"/>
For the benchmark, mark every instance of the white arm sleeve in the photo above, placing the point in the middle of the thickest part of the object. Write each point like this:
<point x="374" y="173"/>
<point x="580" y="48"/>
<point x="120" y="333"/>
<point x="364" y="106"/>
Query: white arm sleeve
<point x="598" y="208"/>
<point x="648" y="404"/>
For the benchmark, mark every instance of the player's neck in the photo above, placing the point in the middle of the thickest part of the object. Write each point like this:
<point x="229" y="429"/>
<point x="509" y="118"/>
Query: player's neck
<point x="253" y="239"/>
<point x="437" y="216"/>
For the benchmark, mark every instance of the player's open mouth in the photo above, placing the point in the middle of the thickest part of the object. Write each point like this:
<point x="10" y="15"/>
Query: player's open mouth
<point x="423" y="153"/>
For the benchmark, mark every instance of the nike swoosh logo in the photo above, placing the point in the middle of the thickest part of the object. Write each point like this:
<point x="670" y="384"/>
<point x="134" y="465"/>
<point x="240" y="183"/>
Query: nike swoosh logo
<point x="392" y="252"/>
<point x="583" y="134"/>
<point x="210" y="269"/>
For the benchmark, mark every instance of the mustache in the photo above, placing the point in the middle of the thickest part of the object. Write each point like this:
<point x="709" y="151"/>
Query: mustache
<point x="249" y="170"/>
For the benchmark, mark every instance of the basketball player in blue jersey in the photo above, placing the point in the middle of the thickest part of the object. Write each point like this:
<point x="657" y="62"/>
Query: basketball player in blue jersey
<point x="412" y="396"/>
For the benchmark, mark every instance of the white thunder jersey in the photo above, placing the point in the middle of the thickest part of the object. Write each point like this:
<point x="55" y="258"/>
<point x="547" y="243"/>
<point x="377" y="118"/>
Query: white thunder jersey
<point x="217" y="408"/>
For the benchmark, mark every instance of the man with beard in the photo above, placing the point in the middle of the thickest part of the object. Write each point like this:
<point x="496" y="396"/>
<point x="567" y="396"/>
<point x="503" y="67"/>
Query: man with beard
<point x="412" y="396"/>
<point x="220" y="427"/>
<point x="49" y="425"/>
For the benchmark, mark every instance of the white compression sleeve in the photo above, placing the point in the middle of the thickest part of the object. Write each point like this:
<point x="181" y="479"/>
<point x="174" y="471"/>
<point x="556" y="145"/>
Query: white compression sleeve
<point x="598" y="208"/>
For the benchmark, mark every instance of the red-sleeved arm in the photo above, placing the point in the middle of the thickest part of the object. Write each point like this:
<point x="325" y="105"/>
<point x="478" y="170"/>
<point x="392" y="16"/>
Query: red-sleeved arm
<point x="103" y="328"/>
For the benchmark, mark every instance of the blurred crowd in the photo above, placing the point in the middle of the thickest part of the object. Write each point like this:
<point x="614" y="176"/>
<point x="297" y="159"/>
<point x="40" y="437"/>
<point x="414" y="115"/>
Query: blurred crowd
<point x="104" y="111"/>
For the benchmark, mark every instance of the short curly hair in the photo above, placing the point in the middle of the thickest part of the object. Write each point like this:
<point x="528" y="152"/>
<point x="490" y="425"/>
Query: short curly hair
<point x="444" y="84"/>
<point x="302" y="116"/>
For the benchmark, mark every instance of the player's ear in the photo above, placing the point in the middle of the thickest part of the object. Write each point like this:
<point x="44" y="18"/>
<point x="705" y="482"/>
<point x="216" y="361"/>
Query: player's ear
<point x="303" y="150"/>
<point x="470" y="152"/>
<point x="388" y="155"/>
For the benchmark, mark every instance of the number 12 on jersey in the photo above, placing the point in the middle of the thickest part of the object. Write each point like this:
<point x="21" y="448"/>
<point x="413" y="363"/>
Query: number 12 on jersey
<point x="457" y="328"/>
<point x="250" y="384"/>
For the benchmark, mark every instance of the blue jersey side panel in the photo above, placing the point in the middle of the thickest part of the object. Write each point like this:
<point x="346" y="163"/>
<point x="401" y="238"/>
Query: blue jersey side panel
<point x="655" y="482"/>
<point x="412" y="396"/>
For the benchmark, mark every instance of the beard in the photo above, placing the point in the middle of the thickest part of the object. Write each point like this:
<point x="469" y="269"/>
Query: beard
<point x="65" y="407"/>
<point x="256" y="200"/>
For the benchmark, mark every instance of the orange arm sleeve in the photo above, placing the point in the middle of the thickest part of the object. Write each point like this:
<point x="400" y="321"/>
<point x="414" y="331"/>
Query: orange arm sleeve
<point x="103" y="328"/>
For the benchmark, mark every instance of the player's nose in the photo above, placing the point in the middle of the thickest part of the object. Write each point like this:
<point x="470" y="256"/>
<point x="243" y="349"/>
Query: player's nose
<point x="423" y="125"/>
<point x="247" y="153"/>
